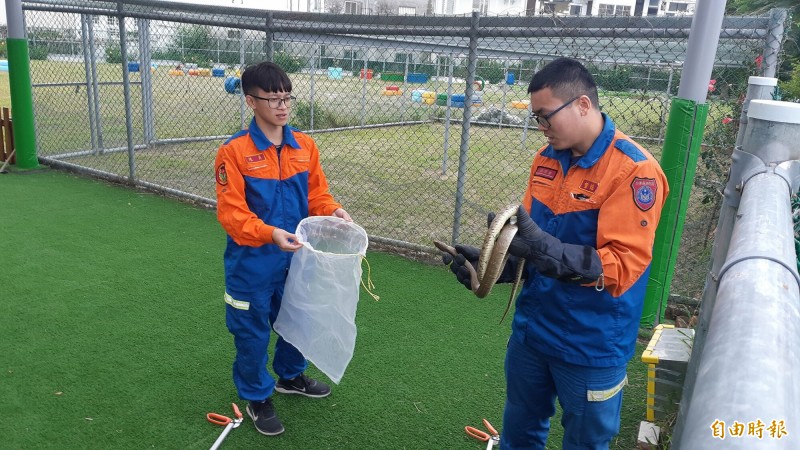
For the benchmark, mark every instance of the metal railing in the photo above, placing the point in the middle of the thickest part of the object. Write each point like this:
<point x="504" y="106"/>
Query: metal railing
<point x="742" y="383"/>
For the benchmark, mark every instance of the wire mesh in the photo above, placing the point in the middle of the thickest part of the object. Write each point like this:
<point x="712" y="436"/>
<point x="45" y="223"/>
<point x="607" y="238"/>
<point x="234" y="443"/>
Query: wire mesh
<point x="422" y="121"/>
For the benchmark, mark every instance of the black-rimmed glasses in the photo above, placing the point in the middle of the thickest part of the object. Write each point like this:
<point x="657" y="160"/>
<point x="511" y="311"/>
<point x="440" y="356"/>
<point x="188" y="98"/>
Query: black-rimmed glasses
<point x="545" y="119"/>
<point x="276" y="103"/>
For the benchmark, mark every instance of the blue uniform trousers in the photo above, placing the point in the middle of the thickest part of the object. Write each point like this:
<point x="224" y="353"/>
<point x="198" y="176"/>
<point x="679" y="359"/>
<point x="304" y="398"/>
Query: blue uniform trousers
<point x="251" y="333"/>
<point x="590" y="398"/>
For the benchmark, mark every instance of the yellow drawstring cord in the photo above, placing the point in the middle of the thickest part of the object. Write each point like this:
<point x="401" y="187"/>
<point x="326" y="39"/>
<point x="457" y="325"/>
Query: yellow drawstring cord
<point x="369" y="287"/>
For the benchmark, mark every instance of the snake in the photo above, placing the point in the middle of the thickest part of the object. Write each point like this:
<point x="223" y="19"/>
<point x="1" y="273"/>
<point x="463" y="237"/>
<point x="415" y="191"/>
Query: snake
<point x="493" y="256"/>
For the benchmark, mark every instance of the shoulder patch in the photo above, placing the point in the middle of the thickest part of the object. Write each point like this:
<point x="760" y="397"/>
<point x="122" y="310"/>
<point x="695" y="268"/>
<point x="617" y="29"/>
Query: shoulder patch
<point x="629" y="149"/>
<point x="221" y="175"/>
<point x="644" y="192"/>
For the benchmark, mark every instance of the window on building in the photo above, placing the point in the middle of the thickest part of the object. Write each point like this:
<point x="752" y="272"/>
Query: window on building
<point x="613" y="10"/>
<point x="407" y="11"/>
<point x="548" y="8"/>
<point x="96" y="20"/>
<point x="353" y="7"/>
<point x="574" y="10"/>
<point x="678" y="7"/>
<point x="402" y="57"/>
<point x="605" y="10"/>
<point x="351" y="54"/>
<point x="112" y="21"/>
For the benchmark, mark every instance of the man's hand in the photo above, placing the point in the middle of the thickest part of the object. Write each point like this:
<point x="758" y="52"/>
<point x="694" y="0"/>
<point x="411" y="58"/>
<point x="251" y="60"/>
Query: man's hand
<point x="342" y="214"/>
<point x="458" y="264"/>
<point x="286" y="241"/>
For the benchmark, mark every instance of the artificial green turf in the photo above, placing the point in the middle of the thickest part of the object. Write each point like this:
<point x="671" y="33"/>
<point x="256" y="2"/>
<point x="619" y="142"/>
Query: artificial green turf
<point x="112" y="335"/>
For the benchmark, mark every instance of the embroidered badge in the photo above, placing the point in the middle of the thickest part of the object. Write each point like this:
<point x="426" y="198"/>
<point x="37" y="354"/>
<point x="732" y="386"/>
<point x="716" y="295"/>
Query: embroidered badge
<point x="644" y="192"/>
<point x="545" y="172"/>
<point x="255" y="158"/>
<point x="222" y="176"/>
<point x="589" y="186"/>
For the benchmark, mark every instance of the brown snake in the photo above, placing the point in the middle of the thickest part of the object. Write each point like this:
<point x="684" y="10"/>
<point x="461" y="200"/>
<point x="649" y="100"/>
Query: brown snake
<point x="493" y="256"/>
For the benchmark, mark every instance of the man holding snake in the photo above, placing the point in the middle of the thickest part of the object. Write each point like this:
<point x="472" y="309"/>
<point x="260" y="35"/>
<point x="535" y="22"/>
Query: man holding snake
<point x="587" y="226"/>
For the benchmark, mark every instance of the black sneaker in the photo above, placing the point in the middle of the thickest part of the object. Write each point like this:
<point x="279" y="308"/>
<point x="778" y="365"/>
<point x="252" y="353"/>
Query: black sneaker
<point x="303" y="385"/>
<point x="264" y="417"/>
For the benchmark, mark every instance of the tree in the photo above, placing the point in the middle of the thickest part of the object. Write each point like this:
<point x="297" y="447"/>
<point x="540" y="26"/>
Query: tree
<point x="336" y="6"/>
<point x="386" y="7"/>
<point x="791" y="50"/>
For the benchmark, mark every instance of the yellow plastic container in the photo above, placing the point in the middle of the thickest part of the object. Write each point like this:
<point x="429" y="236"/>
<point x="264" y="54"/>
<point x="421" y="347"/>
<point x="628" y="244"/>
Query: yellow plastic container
<point x="667" y="358"/>
<point x="520" y="104"/>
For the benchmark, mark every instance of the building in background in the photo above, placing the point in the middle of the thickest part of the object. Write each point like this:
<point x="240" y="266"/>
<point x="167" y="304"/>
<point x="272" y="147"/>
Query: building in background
<point x="567" y="7"/>
<point x="386" y="7"/>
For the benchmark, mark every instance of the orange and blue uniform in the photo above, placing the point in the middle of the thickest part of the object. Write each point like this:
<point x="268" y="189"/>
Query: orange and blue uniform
<point x="610" y="200"/>
<point x="261" y="187"/>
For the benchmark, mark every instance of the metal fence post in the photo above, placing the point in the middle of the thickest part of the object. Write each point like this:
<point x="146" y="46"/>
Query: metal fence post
<point x="126" y="88"/>
<point x="462" y="158"/>
<point x="98" y="117"/>
<point x="143" y="26"/>
<point x="269" y="46"/>
<point x="241" y="96"/>
<point x="87" y="66"/>
<point x="446" y="113"/>
<point x="772" y="46"/>
<point x="363" y="90"/>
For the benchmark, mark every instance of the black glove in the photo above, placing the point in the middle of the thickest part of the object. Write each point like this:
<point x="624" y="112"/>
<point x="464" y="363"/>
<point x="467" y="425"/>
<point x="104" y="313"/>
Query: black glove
<point x="468" y="254"/>
<point x="552" y="258"/>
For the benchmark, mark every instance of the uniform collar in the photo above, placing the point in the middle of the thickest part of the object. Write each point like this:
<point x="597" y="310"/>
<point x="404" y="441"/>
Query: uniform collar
<point x="261" y="141"/>
<point x="595" y="152"/>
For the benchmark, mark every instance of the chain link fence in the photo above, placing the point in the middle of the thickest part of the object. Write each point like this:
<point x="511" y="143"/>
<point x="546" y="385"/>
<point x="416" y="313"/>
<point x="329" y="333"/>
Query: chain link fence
<point x="422" y="121"/>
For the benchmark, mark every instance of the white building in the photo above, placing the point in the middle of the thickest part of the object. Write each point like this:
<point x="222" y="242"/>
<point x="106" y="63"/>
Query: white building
<point x="567" y="7"/>
<point x="485" y="7"/>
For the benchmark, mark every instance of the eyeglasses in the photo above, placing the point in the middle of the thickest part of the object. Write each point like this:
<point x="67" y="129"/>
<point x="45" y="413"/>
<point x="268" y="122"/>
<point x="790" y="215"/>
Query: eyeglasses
<point x="545" y="119"/>
<point x="276" y="103"/>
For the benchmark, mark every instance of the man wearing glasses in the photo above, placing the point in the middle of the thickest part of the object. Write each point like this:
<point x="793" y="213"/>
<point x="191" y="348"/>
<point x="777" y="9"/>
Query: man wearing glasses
<point x="586" y="230"/>
<point x="269" y="178"/>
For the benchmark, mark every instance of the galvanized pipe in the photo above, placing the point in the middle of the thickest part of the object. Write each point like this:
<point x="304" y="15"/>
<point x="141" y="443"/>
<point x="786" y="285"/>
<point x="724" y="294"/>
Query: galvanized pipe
<point x="758" y="88"/>
<point x="126" y="90"/>
<point x="753" y="278"/>
<point x="88" y="75"/>
<point x="749" y="369"/>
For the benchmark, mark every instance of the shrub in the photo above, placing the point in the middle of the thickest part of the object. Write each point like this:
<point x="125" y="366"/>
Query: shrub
<point x="289" y="63"/>
<point x="791" y="88"/>
<point x="113" y="54"/>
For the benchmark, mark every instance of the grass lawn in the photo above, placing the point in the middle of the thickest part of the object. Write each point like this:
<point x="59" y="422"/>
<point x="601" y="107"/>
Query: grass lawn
<point x="113" y="336"/>
<point x="400" y="182"/>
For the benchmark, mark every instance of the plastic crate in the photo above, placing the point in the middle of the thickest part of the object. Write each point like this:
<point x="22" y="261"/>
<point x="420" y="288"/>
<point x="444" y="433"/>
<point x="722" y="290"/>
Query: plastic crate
<point x="667" y="356"/>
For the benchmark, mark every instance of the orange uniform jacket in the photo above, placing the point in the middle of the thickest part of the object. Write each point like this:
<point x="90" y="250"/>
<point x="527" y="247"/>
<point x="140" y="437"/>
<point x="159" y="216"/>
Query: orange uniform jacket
<point x="609" y="199"/>
<point x="259" y="188"/>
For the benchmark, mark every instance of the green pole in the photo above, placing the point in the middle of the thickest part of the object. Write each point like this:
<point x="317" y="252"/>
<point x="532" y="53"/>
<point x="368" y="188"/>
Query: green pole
<point x="19" y="77"/>
<point x="682" y="142"/>
<point x="687" y="119"/>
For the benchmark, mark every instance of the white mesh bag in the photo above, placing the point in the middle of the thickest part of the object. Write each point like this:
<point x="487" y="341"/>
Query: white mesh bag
<point x="318" y="310"/>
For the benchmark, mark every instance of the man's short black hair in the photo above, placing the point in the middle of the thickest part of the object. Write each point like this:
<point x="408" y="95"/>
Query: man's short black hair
<point x="267" y="76"/>
<point x="567" y="78"/>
